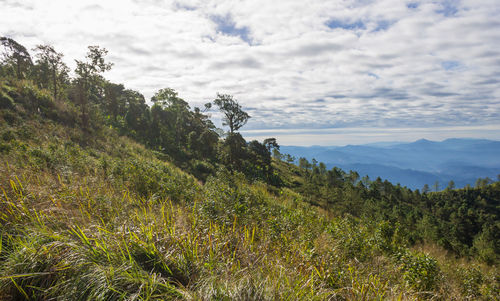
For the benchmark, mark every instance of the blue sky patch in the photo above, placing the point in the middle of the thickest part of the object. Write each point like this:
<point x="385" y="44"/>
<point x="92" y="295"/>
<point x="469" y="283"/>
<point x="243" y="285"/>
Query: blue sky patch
<point x="182" y="6"/>
<point x="450" y="65"/>
<point x="412" y="5"/>
<point x="383" y="25"/>
<point x="333" y="24"/>
<point x="226" y="25"/>
<point x="448" y="8"/>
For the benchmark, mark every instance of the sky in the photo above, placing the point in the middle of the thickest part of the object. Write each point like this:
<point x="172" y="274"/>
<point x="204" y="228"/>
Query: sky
<point x="310" y="72"/>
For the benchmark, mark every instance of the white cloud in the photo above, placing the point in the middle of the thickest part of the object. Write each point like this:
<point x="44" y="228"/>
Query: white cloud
<point x="428" y="64"/>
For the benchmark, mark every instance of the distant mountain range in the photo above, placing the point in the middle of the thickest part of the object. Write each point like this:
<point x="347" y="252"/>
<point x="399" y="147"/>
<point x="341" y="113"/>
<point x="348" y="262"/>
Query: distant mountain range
<point x="412" y="164"/>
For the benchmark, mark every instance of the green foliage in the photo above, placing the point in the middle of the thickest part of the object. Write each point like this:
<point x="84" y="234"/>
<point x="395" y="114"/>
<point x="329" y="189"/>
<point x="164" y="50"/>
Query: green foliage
<point x="152" y="180"/>
<point x="420" y="271"/>
<point x="226" y="201"/>
<point x="33" y="98"/>
<point x="16" y="58"/>
<point x="6" y="91"/>
<point x="233" y="152"/>
<point x="202" y="169"/>
<point x="461" y="220"/>
<point x="487" y="244"/>
<point x="353" y="240"/>
<point x="471" y="279"/>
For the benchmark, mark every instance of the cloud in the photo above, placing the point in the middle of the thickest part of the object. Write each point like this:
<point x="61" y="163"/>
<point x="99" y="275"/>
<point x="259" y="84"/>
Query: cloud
<point x="316" y="64"/>
<point x="314" y="49"/>
<point x="243" y="63"/>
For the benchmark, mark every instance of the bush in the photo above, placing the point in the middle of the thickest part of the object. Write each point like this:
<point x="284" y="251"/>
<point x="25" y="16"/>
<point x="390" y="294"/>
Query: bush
<point x="225" y="199"/>
<point x="5" y="148"/>
<point x="471" y="280"/>
<point x="352" y="239"/>
<point x="420" y="271"/>
<point x="487" y="244"/>
<point x="8" y="136"/>
<point x="201" y="169"/>
<point x="9" y="116"/>
<point x="41" y="157"/>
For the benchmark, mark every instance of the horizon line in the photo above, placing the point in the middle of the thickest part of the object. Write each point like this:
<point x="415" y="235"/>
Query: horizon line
<point x="360" y="136"/>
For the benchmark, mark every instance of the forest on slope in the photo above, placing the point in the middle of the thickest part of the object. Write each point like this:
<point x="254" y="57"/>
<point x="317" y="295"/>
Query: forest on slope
<point x="105" y="197"/>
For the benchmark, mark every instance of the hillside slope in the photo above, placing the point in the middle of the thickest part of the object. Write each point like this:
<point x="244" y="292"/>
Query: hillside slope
<point x="96" y="216"/>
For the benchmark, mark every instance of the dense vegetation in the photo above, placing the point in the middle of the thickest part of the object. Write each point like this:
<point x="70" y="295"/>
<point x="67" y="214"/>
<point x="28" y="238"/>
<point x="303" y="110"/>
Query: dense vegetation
<point x="103" y="197"/>
<point x="464" y="221"/>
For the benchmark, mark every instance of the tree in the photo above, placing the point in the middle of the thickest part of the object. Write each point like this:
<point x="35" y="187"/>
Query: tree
<point x="137" y="116"/>
<point x="322" y="168"/>
<point x="436" y="186"/>
<point x="366" y="181"/>
<point x="451" y="185"/>
<point x="353" y="176"/>
<point x="270" y="143"/>
<point x="304" y="164"/>
<point x="47" y="56"/>
<point x="204" y="145"/>
<point x="168" y="97"/>
<point x="234" y="151"/>
<point x="290" y="159"/>
<point x="115" y="102"/>
<point x="176" y="113"/>
<point x="261" y="156"/>
<point x="277" y="155"/>
<point x="480" y="182"/>
<point x="16" y="56"/>
<point x="88" y="76"/>
<point x="426" y="188"/>
<point x="234" y="116"/>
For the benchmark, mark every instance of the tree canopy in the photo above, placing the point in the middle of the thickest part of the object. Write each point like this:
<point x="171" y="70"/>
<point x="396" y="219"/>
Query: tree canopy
<point x="234" y="116"/>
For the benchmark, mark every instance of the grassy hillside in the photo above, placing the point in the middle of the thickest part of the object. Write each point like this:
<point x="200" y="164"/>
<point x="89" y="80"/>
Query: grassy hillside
<point x="92" y="215"/>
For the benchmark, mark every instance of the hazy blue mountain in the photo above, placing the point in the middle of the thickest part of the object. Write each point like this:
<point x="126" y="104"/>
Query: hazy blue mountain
<point x="412" y="164"/>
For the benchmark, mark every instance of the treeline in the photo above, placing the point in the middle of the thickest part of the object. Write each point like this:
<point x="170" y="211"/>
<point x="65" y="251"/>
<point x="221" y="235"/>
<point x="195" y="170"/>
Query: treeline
<point x="41" y="84"/>
<point x="463" y="221"/>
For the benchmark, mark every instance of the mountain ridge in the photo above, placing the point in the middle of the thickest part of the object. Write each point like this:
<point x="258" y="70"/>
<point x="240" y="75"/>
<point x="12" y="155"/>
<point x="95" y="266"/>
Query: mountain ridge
<point x="461" y="160"/>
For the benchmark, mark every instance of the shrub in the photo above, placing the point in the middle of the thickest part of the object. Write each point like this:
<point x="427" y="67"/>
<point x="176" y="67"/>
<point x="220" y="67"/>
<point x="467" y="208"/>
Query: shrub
<point x="471" y="279"/>
<point x="8" y="136"/>
<point x="5" y="148"/>
<point x="201" y="169"/>
<point x="420" y="271"/>
<point x="487" y="244"/>
<point x="352" y="239"/>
